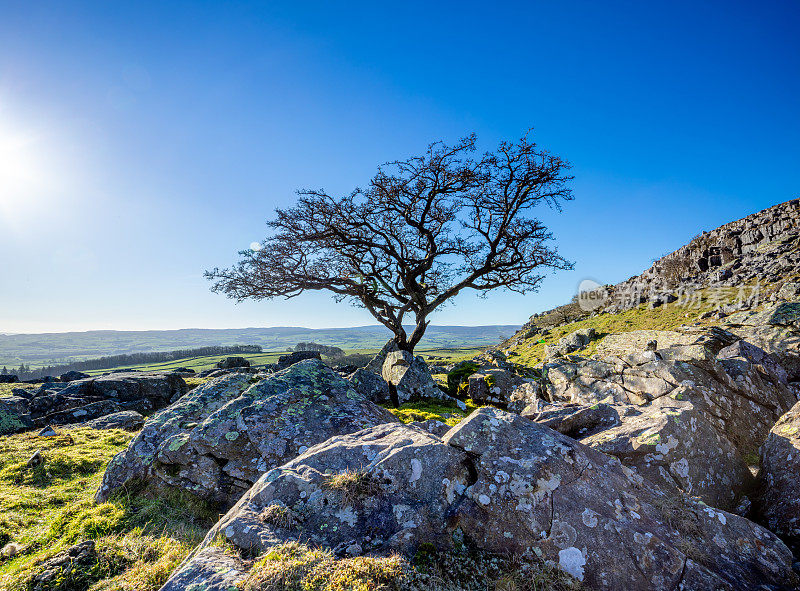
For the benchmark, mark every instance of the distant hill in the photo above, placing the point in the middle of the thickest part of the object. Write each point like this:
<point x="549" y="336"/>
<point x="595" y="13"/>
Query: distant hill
<point x="48" y="348"/>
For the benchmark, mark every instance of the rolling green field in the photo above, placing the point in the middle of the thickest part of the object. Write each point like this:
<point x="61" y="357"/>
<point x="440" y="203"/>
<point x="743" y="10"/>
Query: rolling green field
<point x="40" y="350"/>
<point x="199" y="364"/>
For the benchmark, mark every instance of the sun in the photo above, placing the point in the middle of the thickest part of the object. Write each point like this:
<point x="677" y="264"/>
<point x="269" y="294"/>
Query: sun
<point x="23" y="174"/>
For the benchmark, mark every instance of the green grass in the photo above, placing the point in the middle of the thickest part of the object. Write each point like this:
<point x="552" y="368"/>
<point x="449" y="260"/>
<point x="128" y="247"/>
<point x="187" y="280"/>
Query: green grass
<point x="531" y="351"/>
<point x="140" y="537"/>
<point x="5" y="389"/>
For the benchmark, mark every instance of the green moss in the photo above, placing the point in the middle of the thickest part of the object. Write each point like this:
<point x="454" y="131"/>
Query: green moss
<point x="448" y="413"/>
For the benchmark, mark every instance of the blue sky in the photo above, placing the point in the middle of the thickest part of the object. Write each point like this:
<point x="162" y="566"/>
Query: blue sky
<point x="142" y="143"/>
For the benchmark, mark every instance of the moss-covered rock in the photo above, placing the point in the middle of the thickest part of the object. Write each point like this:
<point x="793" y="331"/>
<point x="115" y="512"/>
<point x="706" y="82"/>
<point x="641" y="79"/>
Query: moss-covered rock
<point x="218" y="439"/>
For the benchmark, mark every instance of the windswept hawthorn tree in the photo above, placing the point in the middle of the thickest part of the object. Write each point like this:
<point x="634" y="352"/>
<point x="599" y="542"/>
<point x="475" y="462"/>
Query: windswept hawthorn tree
<point x="422" y="231"/>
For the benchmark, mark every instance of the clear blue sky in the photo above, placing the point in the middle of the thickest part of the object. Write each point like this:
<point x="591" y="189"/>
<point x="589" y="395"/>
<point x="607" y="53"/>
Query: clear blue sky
<point x="142" y="143"/>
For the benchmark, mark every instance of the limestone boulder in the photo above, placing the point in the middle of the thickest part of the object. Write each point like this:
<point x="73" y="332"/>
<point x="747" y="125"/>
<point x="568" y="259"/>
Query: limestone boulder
<point x="690" y="412"/>
<point x="779" y="505"/>
<point x="388" y="488"/>
<point x="523" y="396"/>
<point x="540" y="493"/>
<point x="85" y="399"/>
<point x="572" y="342"/>
<point x="216" y="441"/>
<point x="410" y="377"/>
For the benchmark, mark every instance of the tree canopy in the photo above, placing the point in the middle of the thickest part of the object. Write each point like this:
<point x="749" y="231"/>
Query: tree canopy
<point x="421" y="232"/>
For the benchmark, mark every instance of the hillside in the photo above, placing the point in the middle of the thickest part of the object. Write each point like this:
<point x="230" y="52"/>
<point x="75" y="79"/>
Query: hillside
<point x="739" y="266"/>
<point x="45" y="349"/>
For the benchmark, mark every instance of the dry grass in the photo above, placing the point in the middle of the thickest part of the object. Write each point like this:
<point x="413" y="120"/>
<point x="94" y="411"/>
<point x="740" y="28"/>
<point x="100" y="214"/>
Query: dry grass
<point x="353" y="486"/>
<point x="295" y="567"/>
<point x="279" y="516"/>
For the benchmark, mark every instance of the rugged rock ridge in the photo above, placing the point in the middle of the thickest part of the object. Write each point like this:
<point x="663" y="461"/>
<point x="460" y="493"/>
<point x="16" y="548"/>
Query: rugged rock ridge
<point x="764" y="247"/>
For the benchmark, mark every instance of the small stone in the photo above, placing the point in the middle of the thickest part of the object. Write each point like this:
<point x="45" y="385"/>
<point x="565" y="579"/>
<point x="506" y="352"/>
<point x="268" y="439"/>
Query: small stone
<point x="36" y="459"/>
<point x="47" y="432"/>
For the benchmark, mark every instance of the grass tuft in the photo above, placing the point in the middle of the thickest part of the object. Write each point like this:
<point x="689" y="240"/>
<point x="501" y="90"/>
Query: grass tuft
<point x="292" y="566"/>
<point x="353" y="485"/>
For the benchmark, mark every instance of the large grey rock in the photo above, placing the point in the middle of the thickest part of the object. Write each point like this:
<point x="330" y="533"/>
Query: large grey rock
<point x="689" y="418"/>
<point x="500" y="484"/>
<point x="779" y="505"/>
<point x="539" y="492"/>
<point x="523" y="396"/>
<point x="572" y="342"/>
<point x="218" y="439"/>
<point x="776" y="329"/>
<point x="398" y="487"/>
<point x="410" y="377"/>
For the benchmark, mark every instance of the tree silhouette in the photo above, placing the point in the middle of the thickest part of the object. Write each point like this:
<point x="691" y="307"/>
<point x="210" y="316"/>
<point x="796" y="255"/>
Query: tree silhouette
<point x="422" y="231"/>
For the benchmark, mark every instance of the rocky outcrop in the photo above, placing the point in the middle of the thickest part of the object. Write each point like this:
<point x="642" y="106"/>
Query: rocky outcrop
<point x="689" y="413"/>
<point x="779" y="504"/>
<point x="763" y="247"/>
<point x="574" y="341"/>
<point x="500" y="484"/>
<point x="218" y="439"/>
<point x="776" y="329"/>
<point x="78" y="401"/>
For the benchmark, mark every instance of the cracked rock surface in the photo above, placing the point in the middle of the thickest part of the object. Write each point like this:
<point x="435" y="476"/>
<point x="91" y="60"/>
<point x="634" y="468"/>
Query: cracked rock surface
<point x="688" y="413"/>
<point x="501" y="483"/>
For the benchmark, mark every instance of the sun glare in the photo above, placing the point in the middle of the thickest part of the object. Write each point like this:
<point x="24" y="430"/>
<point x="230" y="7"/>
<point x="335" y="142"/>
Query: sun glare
<point x="23" y="174"/>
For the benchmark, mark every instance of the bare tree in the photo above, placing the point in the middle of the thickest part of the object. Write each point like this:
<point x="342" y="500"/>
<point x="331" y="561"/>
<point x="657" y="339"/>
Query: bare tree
<point x="422" y="231"/>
